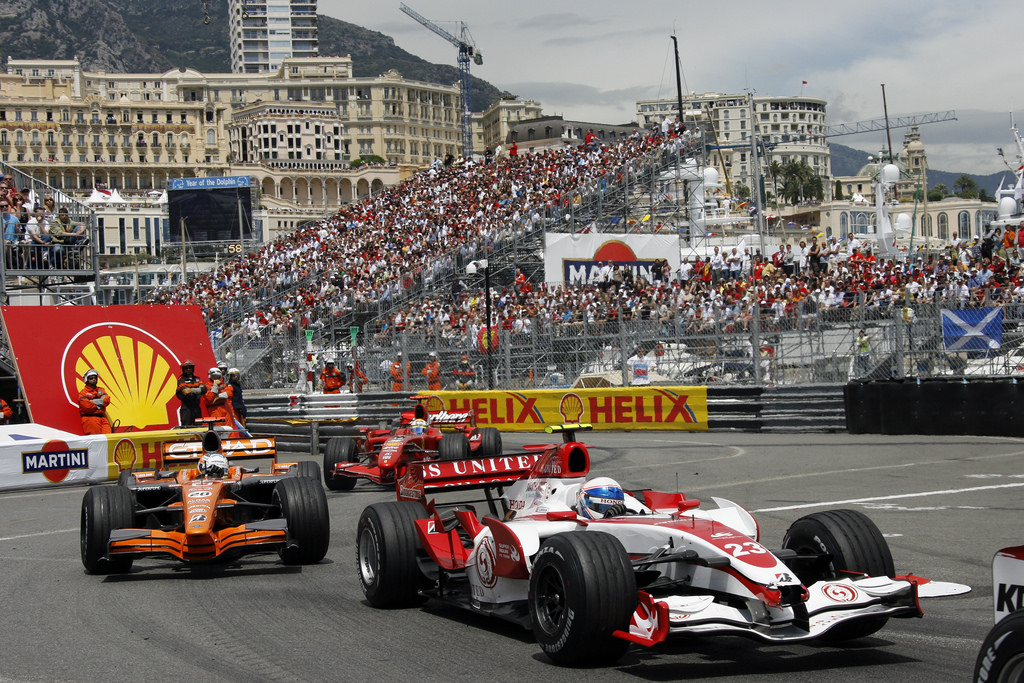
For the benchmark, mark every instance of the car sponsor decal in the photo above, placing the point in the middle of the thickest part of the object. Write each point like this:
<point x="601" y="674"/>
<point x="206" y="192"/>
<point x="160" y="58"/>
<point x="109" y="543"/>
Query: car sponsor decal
<point x="485" y="563"/>
<point x="840" y="592"/>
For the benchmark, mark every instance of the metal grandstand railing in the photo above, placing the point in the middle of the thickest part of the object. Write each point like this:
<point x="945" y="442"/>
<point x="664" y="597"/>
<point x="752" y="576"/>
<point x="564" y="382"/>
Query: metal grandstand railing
<point x="51" y="274"/>
<point x="754" y="346"/>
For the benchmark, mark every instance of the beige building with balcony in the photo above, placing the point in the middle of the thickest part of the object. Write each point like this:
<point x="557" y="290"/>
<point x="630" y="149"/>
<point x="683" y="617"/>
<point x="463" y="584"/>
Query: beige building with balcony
<point x="76" y="129"/>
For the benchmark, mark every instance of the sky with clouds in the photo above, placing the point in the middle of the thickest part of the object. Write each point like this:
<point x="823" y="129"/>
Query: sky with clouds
<point x="591" y="60"/>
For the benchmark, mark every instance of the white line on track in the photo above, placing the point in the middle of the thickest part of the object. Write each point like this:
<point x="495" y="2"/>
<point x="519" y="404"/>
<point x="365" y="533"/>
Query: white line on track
<point x="921" y="494"/>
<point x="50" y="533"/>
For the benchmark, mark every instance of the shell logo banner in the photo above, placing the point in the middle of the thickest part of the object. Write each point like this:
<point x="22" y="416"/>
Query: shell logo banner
<point x="635" y="408"/>
<point x="137" y="351"/>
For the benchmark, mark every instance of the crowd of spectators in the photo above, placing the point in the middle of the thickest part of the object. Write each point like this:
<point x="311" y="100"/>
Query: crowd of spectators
<point x="848" y="284"/>
<point x="412" y="233"/>
<point x="36" y="232"/>
<point x="423" y="229"/>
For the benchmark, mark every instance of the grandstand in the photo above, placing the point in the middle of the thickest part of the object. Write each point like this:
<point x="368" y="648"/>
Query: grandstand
<point x="393" y="269"/>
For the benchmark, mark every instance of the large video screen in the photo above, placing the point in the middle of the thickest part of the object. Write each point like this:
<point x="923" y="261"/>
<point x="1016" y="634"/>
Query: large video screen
<point x="211" y="209"/>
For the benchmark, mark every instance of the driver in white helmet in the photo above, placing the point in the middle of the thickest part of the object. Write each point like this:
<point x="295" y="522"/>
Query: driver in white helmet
<point x="601" y="498"/>
<point x="213" y="465"/>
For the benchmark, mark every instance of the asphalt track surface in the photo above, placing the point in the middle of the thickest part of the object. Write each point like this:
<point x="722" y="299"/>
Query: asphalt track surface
<point x="946" y="504"/>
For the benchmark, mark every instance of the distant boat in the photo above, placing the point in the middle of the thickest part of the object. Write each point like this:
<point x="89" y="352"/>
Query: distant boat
<point x="1011" y="199"/>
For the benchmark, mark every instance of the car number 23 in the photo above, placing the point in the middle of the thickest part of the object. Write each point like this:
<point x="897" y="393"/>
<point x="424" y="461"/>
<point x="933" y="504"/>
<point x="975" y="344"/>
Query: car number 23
<point x="741" y="549"/>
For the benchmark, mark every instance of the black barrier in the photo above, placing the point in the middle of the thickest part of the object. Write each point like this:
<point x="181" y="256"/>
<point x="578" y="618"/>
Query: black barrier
<point x="862" y="413"/>
<point x="935" y="407"/>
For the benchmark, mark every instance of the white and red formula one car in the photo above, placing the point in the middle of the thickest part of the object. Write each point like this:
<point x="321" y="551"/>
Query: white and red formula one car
<point x="1001" y="658"/>
<point x="591" y="568"/>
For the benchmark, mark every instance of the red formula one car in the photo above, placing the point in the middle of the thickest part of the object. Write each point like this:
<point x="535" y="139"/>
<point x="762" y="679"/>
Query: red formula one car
<point x="419" y="435"/>
<point x="209" y="512"/>
<point x="592" y="568"/>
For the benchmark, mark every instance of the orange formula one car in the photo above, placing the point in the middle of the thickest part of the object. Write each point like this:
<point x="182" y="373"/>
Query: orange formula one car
<point x="209" y="512"/>
<point x="376" y="454"/>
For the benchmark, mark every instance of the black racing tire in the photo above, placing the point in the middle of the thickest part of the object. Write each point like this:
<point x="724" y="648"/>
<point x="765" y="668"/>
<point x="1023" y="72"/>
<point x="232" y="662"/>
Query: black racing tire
<point x="582" y="589"/>
<point x="490" y="442"/>
<point x="845" y="540"/>
<point x="339" y="449"/>
<point x="1001" y="657"/>
<point x="387" y="547"/>
<point x="308" y="468"/>
<point x="105" y="508"/>
<point x="303" y="505"/>
<point x="453" y="447"/>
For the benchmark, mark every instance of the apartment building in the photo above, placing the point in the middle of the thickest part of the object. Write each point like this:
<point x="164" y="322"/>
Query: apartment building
<point x="790" y="128"/>
<point x="264" y="34"/>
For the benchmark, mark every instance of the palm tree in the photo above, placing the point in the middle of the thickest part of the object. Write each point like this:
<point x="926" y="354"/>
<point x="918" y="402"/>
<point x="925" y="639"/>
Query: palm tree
<point x="775" y="170"/>
<point x="799" y="182"/>
<point x="967" y="188"/>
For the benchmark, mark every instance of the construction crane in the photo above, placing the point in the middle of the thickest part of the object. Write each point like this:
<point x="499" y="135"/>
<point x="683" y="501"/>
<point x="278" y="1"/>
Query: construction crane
<point x="895" y="122"/>
<point x="467" y="51"/>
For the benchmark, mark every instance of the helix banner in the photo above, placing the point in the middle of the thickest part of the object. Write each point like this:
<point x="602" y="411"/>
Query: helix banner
<point x="634" y="408"/>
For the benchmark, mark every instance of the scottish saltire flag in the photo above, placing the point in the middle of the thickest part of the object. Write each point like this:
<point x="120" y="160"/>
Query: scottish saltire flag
<point x="975" y="329"/>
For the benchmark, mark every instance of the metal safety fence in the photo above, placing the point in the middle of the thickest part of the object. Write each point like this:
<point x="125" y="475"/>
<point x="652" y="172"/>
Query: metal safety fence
<point x="805" y="343"/>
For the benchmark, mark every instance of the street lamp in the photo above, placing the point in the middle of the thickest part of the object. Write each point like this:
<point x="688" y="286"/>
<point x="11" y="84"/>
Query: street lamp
<point x="471" y="269"/>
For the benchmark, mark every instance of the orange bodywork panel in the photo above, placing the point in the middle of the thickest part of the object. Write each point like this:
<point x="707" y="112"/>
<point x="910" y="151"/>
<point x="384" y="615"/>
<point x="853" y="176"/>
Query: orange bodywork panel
<point x="195" y="547"/>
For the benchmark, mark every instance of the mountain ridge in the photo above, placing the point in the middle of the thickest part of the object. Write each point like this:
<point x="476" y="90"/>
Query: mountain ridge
<point x="153" y="36"/>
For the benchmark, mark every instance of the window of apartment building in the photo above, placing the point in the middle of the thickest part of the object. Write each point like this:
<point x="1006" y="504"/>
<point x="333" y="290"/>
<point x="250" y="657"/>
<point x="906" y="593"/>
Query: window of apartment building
<point x="17" y="115"/>
<point x="80" y="117"/>
<point x="65" y="140"/>
<point x="184" y="118"/>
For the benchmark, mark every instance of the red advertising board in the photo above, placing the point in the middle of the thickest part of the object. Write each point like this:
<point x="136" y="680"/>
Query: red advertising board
<point x="137" y="351"/>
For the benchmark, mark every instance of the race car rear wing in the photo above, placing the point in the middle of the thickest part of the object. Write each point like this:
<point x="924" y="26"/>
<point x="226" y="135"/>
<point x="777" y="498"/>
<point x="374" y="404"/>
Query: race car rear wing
<point x="569" y="459"/>
<point x="181" y="452"/>
<point x="454" y="475"/>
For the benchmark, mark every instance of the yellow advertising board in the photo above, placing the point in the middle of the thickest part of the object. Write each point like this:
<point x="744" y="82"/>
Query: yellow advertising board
<point x="143" y="450"/>
<point x="633" y="408"/>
